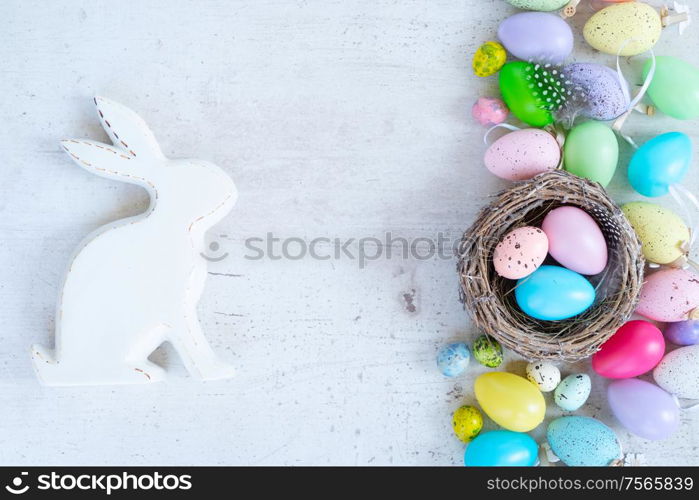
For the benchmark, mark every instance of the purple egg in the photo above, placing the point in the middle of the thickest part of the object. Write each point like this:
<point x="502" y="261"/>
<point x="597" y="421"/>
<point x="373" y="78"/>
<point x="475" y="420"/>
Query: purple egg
<point x="597" y="91"/>
<point x="643" y="408"/>
<point x="537" y="37"/>
<point x="683" y="332"/>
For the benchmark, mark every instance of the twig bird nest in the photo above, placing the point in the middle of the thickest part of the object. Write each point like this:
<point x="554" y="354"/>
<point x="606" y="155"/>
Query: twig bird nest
<point x="490" y="299"/>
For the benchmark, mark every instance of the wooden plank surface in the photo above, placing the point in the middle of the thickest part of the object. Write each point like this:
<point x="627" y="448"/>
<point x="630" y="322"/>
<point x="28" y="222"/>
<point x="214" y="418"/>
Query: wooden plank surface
<point x="339" y="120"/>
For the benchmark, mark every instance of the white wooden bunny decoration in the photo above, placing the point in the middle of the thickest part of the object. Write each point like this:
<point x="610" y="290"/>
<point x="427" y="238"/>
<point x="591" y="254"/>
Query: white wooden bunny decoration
<point x="135" y="283"/>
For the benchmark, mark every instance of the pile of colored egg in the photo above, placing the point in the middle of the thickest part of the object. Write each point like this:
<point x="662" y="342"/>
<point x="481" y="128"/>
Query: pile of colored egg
<point x="517" y="405"/>
<point x="550" y="265"/>
<point x="453" y="359"/>
<point x="553" y="292"/>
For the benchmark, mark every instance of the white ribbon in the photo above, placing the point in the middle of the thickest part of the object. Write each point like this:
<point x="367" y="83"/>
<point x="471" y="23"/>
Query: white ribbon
<point x="625" y="84"/>
<point x="691" y="407"/>
<point x="499" y="125"/>
<point x="681" y="195"/>
<point x="551" y="457"/>
<point x="631" y="103"/>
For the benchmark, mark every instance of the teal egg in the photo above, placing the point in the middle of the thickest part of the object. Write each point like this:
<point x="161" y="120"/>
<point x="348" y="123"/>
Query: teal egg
<point x="583" y="441"/>
<point x="659" y="163"/>
<point x="502" y="448"/>
<point x="553" y="293"/>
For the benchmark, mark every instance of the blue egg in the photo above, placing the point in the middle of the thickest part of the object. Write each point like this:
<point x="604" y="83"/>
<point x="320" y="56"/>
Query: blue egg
<point x="453" y="359"/>
<point x="502" y="448"/>
<point x="553" y="293"/>
<point x="660" y="162"/>
<point x="583" y="441"/>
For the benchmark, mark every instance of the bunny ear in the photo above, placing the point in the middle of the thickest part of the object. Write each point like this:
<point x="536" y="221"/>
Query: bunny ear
<point x="127" y="130"/>
<point x="106" y="161"/>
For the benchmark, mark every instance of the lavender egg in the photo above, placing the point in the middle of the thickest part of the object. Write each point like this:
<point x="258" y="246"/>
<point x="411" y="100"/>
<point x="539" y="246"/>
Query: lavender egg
<point x="537" y="37"/>
<point x="597" y="90"/>
<point x="683" y="332"/>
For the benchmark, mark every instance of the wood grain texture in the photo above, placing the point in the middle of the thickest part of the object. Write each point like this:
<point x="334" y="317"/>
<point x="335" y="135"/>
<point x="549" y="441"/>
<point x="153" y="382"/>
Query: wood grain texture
<point x="336" y="119"/>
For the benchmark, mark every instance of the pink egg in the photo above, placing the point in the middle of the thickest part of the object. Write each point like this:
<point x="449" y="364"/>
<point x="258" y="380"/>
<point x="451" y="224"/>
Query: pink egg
<point x="669" y="295"/>
<point x="522" y="154"/>
<point x="634" y="349"/>
<point x="520" y="252"/>
<point x="575" y="240"/>
<point x="489" y="111"/>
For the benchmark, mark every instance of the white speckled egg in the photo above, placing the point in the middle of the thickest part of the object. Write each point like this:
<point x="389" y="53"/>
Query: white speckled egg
<point x="635" y="25"/>
<point x="678" y="372"/>
<point x="545" y="376"/>
<point x="573" y="391"/>
<point x="520" y="252"/>
<point x="522" y="154"/>
<point x="669" y="295"/>
<point x="583" y="441"/>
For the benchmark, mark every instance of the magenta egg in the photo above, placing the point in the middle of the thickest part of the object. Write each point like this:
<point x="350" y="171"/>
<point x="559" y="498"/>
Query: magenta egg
<point x="575" y="240"/>
<point x="669" y="295"/>
<point x="636" y="348"/>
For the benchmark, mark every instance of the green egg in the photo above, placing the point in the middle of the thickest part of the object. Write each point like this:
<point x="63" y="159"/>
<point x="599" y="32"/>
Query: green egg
<point x="532" y="91"/>
<point x="663" y="234"/>
<point x="467" y="423"/>
<point x="542" y="5"/>
<point x="591" y="151"/>
<point x="487" y="351"/>
<point x="675" y="87"/>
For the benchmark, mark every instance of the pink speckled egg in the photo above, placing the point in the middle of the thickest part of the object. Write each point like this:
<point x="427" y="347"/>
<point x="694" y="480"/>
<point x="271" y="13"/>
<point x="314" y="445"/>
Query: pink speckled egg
<point x="489" y="111"/>
<point x="669" y="295"/>
<point x="575" y="240"/>
<point x="520" y="252"/>
<point x="522" y="154"/>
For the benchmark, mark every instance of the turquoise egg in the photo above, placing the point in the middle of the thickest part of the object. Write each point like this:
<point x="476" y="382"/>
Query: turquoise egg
<point x="553" y="293"/>
<point x="583" y="441"/>
<point x="502" y="448"/>
<point x="453" y="359"/>
<point x="660" y="162"/>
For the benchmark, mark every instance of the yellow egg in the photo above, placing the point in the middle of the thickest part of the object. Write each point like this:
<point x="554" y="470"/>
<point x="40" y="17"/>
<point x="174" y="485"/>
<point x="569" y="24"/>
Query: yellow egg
<point x="634" y="25"/>
<point x="661" y="231"/>
<point x="467" y="423"/>
<point x="510" y="400"/>
<point x="489" y="58"/>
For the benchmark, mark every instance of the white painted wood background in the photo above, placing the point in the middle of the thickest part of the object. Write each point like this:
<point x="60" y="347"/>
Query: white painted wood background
<point x="336" y="119"/>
